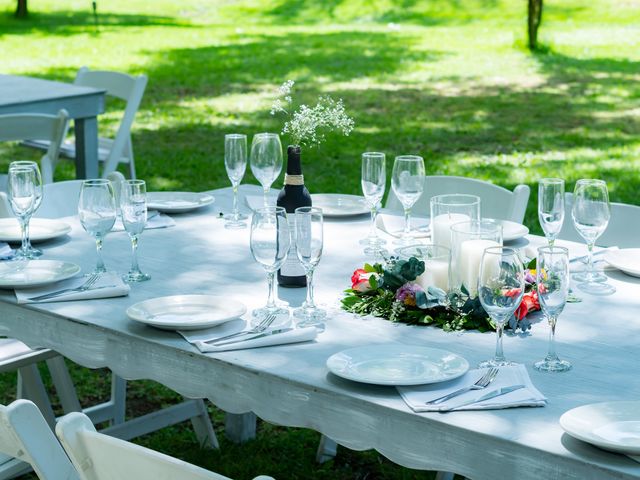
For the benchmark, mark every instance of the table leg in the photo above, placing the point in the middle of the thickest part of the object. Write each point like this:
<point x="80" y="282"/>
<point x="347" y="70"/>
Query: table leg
<point x="86" y="130"/>
<point x="327" y="450"/>
<point x="240" y="428"/>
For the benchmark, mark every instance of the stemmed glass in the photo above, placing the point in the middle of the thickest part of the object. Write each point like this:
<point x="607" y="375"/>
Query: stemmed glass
<point x="22" y="198"/>
<point x="551" y="207"/>
<point x="590" y="213"/>
<point x="373" y="180"/>
<point x="133" y="205"/>
<point x="500" y="289"/>
<point x="266" y="160"/>
<point x="552" y="280"/>
<point x="235" y="161"/>
<point x="31" y="252"/>
<point x="309" y="232"/>
<point x="407" y="183"/>
<point x="97" y="211"/>
<point x="270" y="241"/>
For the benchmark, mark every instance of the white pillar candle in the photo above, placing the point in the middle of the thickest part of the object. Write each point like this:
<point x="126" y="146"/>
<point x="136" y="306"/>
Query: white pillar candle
<point x="469" y="259"/>
<point x="436" y="274"/>
<point x="441" y="227"/>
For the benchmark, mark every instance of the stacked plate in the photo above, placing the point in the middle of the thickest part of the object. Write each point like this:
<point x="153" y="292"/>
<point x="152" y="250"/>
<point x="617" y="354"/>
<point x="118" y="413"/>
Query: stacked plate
<point x="40" y="229"/>
<point x="178" y="202"/>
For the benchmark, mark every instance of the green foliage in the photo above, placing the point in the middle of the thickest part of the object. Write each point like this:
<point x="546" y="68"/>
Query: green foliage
<point x="400" y="272"/>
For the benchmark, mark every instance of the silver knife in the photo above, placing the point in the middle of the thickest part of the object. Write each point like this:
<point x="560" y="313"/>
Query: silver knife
<point x="253" y="337"/>
<point x="486" y="396"/>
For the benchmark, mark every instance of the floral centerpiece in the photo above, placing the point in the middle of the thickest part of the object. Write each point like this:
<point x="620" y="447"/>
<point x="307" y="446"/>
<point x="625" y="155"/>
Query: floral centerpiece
<point x="394" y="290"/>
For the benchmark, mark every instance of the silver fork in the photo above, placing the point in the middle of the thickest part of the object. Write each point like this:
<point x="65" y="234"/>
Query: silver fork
<point x="85" y="286"/>
<point x="483" y="382"/>
<point x="261" y="327"/>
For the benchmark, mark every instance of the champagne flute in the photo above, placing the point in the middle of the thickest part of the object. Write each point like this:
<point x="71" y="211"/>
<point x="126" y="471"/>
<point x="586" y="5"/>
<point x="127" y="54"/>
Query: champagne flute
<point x="270" y="240"/>
<point x="552" y="280"/>
<point x="373" y="180"/>
<point x="590" y="214"/>
<point x="551" y="207"/>
<point x="133" y="205"/>
<point x="309" y="241"/>
<point x="235" y="161"/>
<point x="97" y="211"/>
<point x="266" y="160"/>
<point x="22" y="198"/>
<point x="500" y="289"/>
<point x="407" y="183"/>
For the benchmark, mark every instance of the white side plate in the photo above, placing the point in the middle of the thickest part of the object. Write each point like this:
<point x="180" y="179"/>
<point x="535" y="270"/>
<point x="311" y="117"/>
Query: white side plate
<point x="512" y="230"/>
<point x="397" y="365"/>
<point x="34" y="273"/>
<point x="625" y="259"/>
<point x="339" y="205"/>
<point x="178" y="202"/>
<point x="613" y="426"/>
<point x="40" y="229"/>
<point x="186" y="312"/>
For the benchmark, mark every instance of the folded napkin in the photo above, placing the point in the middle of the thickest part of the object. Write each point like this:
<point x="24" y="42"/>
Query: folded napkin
<point x="108" y="285"/>
<point x="394" y="225"/>
<point x="417" y="396"/>
<point x="200" y="337"/>
<point x="6" y="252"/>
<point x="257" y="201"/>
<point x="154" y="220"/>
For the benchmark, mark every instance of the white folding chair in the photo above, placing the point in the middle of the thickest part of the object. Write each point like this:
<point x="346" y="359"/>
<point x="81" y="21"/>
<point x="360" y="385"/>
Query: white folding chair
<point x="623" y="230"/>
<point x="37" y="127"/>
<point x="26" y="437"/>
<point x="119" y="149"/>
<point x="94" y="455"/>
<point x="496" y="202"/>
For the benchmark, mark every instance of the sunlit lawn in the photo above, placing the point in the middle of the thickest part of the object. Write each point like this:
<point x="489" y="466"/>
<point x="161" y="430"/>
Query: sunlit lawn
<point x="446" y="79"/>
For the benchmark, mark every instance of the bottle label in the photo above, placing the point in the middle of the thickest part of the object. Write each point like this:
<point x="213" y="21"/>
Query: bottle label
<point x="292" y="266"/>
<point x="293" y="179"/>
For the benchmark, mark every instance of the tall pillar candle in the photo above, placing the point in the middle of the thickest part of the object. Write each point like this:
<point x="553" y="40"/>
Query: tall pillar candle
<point x="469" y="261"/>
<point x="441" y="227"/>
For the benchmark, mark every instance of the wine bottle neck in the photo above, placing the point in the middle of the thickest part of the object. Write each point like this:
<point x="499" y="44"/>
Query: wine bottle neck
<point x="294" y="168"/>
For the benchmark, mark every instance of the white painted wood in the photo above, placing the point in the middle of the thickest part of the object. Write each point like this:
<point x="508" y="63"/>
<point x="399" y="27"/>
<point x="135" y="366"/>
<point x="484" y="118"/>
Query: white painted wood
<point x="240" y="428"/>
<point x="24" y="434"/>
<point x="496" y="202"/>
<point x="290" y="385"/>
<point x="327" y="449"/>
<point x="93" y="455"/>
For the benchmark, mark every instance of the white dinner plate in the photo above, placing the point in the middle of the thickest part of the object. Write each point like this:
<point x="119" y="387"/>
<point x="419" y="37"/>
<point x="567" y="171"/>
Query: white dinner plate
<point x="186" y="312"/>
<point x="397" y="365"/>
<point x="178" y="202"/>
<point x="339" y="205"/>
<point x="613" y="426"/>
<point x="40" y="229"/>
<point x="512" y="230"/>
<point x="34" y="273"/>
<point x="625" y="259"/>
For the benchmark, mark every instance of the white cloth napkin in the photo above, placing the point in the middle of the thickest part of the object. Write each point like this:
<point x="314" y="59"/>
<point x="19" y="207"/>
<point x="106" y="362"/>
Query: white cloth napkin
<point x="200" y="337"/>
<point x="6" y="252"/>
<point x="257" y="201"/>
<point x="417" y="396"/>
<point x="159" y="220"/>
<point x="108" y="285"/>
<point x="394" y="225"/>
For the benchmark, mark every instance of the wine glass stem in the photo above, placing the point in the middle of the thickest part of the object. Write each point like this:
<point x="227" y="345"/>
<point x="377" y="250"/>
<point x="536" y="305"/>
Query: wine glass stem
<point x="373" y="231"/>
<point x="551" y="241"/>
<point x="100" y="264"/>
<point x="134" y="254"/>
<point x="551" y="355"/>
<point x="24" y="229"/>
<point x="407" y="221"/>
<point x="235" y="202"/>
<point x="309" y="301"/>
<point x="271" y="300"/>
<point x="589" y="274"/>
<point x="266" y="197"/>
<point x="499" y="352"/>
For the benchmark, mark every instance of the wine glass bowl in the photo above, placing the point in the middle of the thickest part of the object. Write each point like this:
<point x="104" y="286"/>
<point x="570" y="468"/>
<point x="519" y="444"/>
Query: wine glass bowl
<point x="551" y="207"/>
<point x="97" y="212"/>
<point x="133" y="205"/>
<point x="373" y="181"/>
<point x="26" y="251"/>
<point x="407" y="183"/>
<point x="235" y="162"/>
<point x="266" y="160"/>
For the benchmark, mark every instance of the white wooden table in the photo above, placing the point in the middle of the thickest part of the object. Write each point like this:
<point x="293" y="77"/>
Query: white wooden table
<point x="290" y="385"/>
<point x="33" y="95"/>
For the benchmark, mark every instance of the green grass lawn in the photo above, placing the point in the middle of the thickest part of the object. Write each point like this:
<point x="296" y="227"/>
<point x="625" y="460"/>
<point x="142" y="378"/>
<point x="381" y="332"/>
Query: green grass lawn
<point x="446" y="79"/>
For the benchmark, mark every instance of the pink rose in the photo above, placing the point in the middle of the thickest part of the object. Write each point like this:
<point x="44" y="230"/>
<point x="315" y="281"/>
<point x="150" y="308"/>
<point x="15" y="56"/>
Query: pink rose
<point x="360" y="280"/>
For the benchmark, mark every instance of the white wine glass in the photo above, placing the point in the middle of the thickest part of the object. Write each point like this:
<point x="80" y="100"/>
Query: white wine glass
<point x="407" y="183"/>
<point x="21" y="186"/>
<point x="270" y="241"/>
<point x="133" y="206"/>
<point x="30" y="251"/>
<point x="500" y="289"/>
<point x="309" y="243"/>
<point x="552" y="281"/>
<point x="551" y="207"/>
<point x="266" y="160"/>
<point x="235" y="162"/>
<point x="97" y="211"/>
<point x="373" y="180"/>
<point x="590" y="213"/>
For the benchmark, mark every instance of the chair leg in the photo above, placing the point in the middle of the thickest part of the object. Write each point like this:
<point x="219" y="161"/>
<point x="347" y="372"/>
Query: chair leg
<point x="64" y="385"/>
<point x="119" y="398"/>
<point x="203" y="428"/>
<point x="30" y="386"/>
<point x="327" y="450"/>
<point x="240" y="428"/>
<point x="444" y="476"/>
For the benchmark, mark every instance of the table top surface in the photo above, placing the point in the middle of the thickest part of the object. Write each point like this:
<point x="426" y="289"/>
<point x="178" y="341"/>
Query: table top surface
<point x="15" y="89"/>
<point x="291" y="385"/>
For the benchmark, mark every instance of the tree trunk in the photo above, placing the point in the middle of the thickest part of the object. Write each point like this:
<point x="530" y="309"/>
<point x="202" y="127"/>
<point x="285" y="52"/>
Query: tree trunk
<point x="21" y="10"/>
<point x="534" y="18"/>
